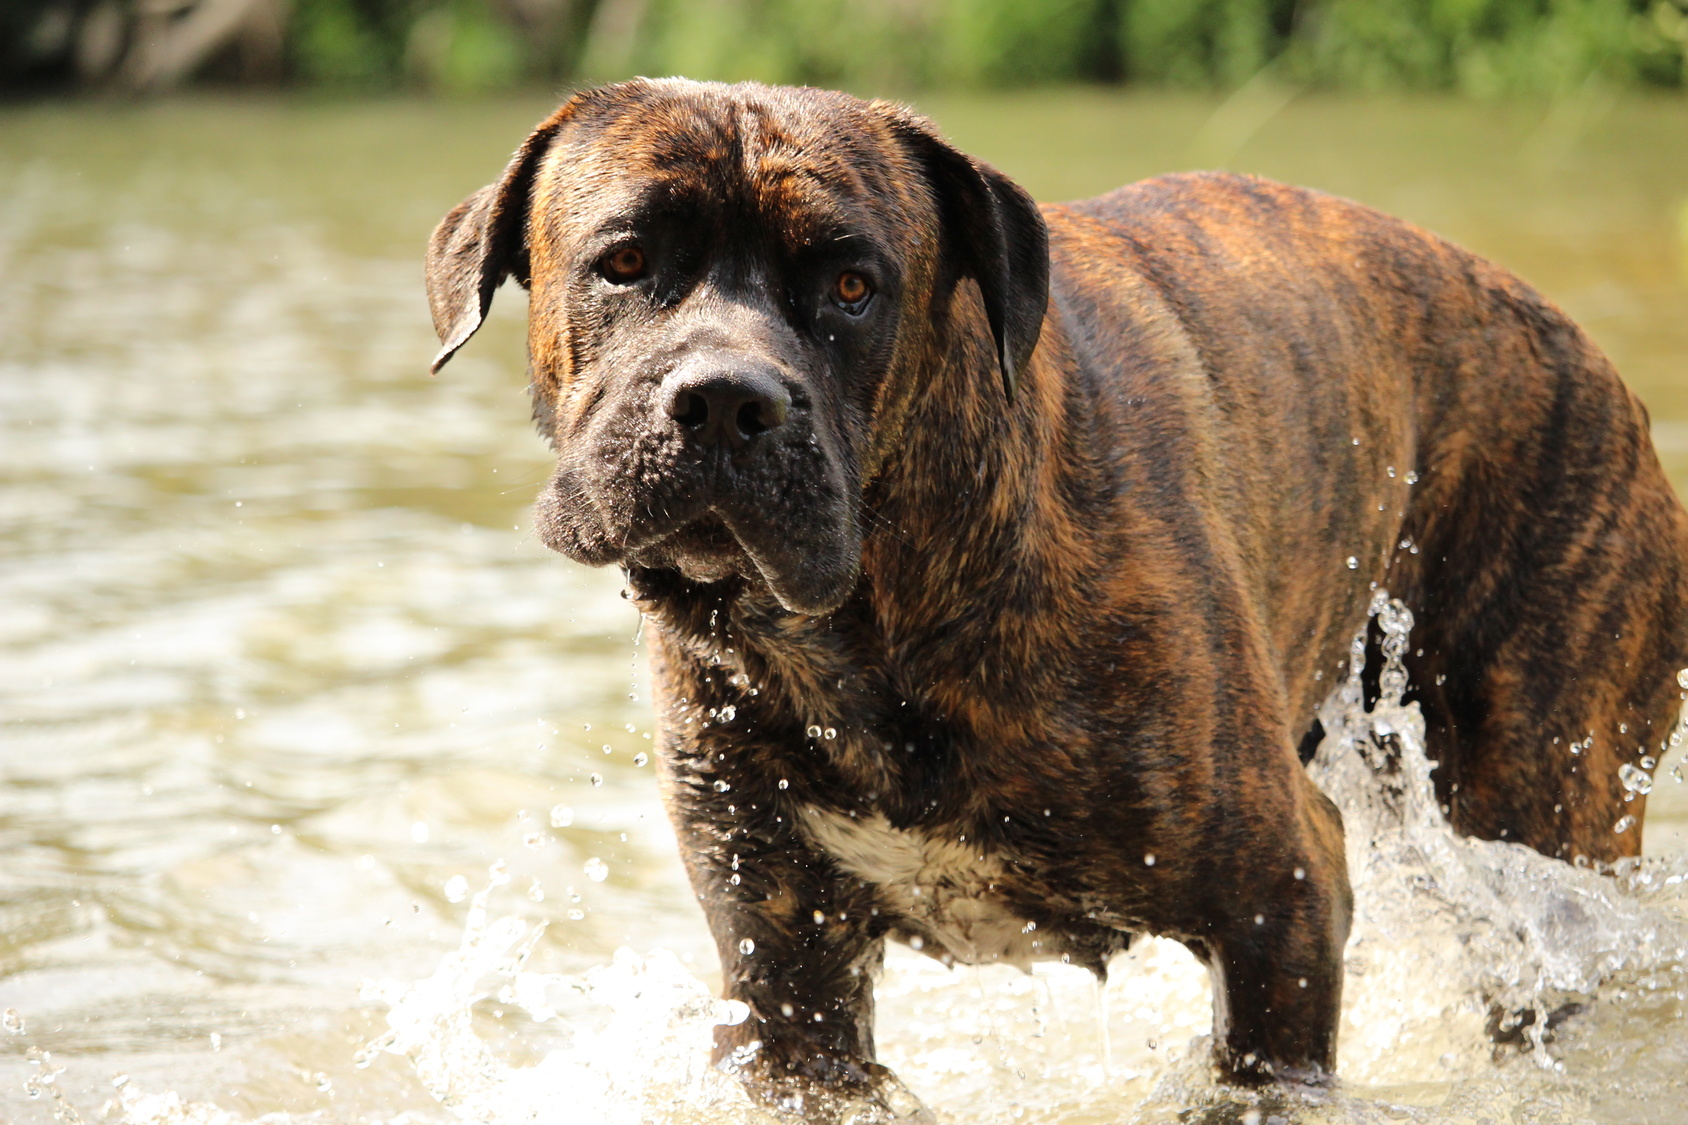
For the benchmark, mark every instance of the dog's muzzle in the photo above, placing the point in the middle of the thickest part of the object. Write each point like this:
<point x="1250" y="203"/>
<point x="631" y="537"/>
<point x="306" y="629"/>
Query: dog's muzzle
<point x="721" y="404"/>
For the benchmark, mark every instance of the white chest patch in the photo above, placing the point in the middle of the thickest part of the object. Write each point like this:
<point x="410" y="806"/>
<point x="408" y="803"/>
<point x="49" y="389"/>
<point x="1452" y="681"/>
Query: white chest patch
<point x="945" y="889"/>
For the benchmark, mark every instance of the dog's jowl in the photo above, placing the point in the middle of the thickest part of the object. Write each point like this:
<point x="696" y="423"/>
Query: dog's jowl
<point x="998" y="556"/>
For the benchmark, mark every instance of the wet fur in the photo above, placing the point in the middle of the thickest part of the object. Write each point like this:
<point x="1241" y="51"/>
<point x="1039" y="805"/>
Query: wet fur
<point x="1082" y="633"/>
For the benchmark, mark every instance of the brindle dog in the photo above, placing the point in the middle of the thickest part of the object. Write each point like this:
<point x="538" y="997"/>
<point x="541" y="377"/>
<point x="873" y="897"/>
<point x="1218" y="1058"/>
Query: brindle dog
<point x="999" y="556"/>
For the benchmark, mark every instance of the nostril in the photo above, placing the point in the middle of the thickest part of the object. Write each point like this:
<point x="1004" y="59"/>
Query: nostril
<point x="731" y="407"/>
<point x="689" y="409"/>
<point x="760" y="414"/>
<point x="750" y="419"/>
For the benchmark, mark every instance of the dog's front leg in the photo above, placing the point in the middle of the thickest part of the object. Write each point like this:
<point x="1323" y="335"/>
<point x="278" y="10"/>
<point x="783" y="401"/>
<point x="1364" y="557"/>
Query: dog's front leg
<point x="1276" y="957"/>
<point x="800" y="944"/>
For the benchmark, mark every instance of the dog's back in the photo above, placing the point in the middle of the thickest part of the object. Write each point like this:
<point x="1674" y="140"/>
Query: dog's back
<point x="1364" y="403"/>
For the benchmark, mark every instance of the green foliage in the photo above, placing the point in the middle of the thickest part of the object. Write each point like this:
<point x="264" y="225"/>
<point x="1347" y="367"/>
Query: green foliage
<point x="865" y="43"/>
<point x="1202" y="42"/>
<point x="460" y="48"/>
<point x="1480" y="47"/>
<point x="1008" y="42"/>
<point x="343" y="43"/>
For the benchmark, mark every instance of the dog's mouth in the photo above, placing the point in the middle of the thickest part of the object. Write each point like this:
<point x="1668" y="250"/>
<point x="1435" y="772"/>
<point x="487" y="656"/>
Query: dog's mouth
<point x="702" y="551"/>
<point x="800" y="540"/>
<point x="806" y="573"/>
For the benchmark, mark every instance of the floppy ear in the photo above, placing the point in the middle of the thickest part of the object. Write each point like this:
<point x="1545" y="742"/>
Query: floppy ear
<point x="482" y="241"/>
<point x="995" y="235"/>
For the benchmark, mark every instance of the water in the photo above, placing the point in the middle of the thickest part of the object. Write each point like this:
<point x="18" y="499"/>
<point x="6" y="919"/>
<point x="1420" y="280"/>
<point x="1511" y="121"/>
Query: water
<point x="304" y="736"/>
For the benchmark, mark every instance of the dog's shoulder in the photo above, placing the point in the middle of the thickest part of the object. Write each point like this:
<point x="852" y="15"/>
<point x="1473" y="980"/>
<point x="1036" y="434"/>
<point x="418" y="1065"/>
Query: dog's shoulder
<point x="1184" y="211"/>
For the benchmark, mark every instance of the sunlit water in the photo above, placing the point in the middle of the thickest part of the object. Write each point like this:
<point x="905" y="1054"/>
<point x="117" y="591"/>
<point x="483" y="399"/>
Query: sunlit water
<point x="323" y="791"/>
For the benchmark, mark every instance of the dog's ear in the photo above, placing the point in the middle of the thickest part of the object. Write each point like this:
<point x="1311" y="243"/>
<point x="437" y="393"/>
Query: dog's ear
<point x="995" y="235"/>
<point x="483" y="240"/>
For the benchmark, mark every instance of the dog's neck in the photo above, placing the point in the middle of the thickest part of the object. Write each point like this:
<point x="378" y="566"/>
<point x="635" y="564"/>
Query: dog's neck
<point x="930" y="674"/>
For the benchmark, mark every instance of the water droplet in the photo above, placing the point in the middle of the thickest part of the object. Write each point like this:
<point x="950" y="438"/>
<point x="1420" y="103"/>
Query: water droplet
<point x="784" y="784"/>
<point x="820" y="918"/>
<point x="746" y="946"/>
<point x="832" y="732"/>
<point x="722" y="786"/>
<point x="561" y="816"/>
<point x="1682" y="679"/>
<point x="576" y="915"/>
<point x="729" y="713"/>
<point x="324" y="1083"/>
<point x="11" y="1021"/>
<point x="1302" y="982"/>
<point x="1624" y="824"/>
<point x="456" y="889"/>
<point x="1353" y="563"/>
<point x="786" y="1010"/>
<point x="1411" y="477"/>
<point x="1300" y="873"/>
<point x="735" y="879"/>
<point x="815" y="732"/>
<point x="498" y="872"/>
<point x="1028" y="927"/>
<point x="535" y="892"/>
<point x="597" y="870"/>
<point x="917" y="942"/>
<point x="216" y="1041"/>
<point x="597" y="779"/>
<point x="641" y="758"/>
<point x="534" y="840"/>
<point x="1635" y="780"/>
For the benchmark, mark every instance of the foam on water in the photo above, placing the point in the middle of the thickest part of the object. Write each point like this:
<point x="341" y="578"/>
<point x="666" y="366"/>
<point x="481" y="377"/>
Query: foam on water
<point x="1453" y="939"/>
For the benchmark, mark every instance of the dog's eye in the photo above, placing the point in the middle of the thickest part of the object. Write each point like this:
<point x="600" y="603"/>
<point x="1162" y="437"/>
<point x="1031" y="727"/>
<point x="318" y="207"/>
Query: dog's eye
<point x="851" y="291"/>
<point x="624" y="264"/>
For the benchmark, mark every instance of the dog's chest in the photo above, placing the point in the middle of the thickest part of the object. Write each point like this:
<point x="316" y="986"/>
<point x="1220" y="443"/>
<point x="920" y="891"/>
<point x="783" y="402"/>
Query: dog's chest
<point x="944" y="890"/>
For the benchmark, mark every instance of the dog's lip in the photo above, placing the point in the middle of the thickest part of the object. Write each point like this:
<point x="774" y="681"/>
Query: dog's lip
<point x="656" y="537"/>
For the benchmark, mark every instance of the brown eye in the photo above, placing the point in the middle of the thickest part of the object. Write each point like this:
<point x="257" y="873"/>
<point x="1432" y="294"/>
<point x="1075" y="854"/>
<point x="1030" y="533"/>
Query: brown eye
<point x="852" y="290"/>
<point x="625" y="264"/>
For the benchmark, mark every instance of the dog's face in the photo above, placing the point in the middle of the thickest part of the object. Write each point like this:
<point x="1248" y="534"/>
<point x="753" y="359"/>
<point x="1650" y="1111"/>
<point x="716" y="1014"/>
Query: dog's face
<point x="728" y="284"/>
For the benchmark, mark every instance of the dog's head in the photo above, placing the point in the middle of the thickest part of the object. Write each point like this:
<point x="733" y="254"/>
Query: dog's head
<point x="730" y="287"/>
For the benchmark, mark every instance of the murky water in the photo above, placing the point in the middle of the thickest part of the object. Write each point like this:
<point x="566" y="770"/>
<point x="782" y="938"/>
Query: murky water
<point x="303" y="735"/>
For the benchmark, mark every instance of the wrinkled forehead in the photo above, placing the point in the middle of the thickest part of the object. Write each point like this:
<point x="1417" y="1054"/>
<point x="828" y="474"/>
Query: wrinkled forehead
<point x="799" y="164"/>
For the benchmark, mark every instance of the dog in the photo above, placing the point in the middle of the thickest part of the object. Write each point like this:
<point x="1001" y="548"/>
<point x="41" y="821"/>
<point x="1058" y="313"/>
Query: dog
<point x="999" y="556"/>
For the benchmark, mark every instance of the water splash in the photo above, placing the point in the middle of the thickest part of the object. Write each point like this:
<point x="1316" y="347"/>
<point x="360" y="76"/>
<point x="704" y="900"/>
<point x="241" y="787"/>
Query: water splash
<point x="1458" y="945"/>
<point x="648" y="1061"/>
<point x="1497" y="939"/>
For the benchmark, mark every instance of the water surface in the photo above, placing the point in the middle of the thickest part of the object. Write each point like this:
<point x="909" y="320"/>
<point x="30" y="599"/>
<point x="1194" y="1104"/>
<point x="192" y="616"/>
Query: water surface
<point x="282" y="659"/>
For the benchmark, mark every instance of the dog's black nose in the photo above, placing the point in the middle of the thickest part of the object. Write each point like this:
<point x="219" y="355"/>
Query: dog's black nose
<point x="727" y="406"/>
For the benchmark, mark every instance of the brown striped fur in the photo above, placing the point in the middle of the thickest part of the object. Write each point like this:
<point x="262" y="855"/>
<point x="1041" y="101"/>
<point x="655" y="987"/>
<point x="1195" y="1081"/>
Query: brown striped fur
<point x="1090" y="623"/>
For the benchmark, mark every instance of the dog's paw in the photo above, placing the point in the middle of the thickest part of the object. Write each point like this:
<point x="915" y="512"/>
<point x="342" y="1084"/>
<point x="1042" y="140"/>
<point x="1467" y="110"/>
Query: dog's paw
<point x="886" y="1102"/>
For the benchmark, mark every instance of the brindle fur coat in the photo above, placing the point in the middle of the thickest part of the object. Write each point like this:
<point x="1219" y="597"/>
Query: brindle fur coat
<point x="1000" y="624"/>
